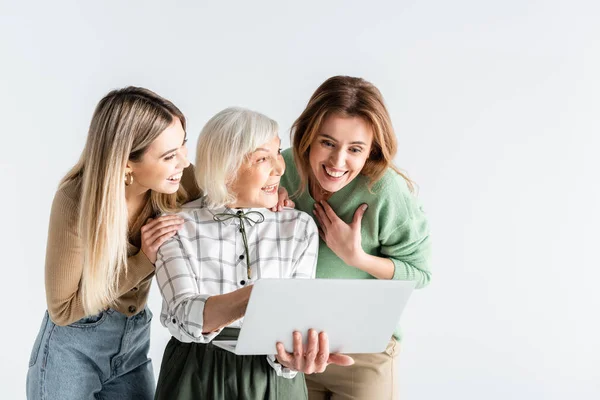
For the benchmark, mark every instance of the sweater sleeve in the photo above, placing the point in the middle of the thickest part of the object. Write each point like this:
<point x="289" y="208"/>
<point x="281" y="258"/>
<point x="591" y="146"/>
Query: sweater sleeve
<point x="64" y="264"/>
<point x="406" y="241"/>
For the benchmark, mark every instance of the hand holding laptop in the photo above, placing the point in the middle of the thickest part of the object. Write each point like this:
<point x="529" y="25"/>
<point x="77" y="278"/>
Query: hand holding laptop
<point x="315" y="358"/>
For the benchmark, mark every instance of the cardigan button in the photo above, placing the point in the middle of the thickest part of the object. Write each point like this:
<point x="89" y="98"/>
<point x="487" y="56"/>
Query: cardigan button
<point x="132" y="309"/>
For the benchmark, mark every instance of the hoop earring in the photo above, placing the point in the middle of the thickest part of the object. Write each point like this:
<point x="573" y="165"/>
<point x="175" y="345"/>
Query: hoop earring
<point x="128" y="179"/>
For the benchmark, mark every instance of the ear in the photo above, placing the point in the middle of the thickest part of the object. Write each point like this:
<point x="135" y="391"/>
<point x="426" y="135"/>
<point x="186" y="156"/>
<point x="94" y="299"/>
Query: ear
<point x="128" y="169"/>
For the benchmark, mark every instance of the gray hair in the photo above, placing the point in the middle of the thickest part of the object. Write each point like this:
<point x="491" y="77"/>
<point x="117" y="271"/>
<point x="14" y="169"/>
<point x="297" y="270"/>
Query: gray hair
<point x="223" y="145"/>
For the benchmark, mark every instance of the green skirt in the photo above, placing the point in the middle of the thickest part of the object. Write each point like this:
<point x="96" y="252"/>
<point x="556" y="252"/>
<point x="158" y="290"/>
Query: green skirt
<point x="204" y="371"/>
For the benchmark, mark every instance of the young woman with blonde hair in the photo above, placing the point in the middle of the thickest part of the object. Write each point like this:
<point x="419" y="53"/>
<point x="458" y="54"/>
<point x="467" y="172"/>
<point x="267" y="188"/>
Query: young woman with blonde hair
<point x="103" y="236"/>
<point x="340" y="167"/>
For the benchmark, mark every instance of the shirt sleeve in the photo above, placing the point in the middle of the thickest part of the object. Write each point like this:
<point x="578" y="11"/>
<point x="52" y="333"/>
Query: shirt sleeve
<point x="64" y="264"/>
<point x="280" y="370"/>
<point x="306" y="249"/>
<point x="182" y="301"/>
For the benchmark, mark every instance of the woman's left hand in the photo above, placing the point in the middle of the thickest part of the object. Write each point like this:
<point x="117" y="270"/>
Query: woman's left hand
<point x="283" y="200"/>
<point x="342" y="238"/>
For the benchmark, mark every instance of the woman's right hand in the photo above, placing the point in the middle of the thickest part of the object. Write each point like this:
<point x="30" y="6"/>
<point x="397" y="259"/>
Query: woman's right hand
<point x="157" y="231"/>
<point x="283" y="200"/>
<point x="315" y="358"/>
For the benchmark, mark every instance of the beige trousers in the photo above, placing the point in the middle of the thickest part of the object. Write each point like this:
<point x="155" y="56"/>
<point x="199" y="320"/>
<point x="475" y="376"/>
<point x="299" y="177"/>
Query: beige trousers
<point x="372" y="377"/>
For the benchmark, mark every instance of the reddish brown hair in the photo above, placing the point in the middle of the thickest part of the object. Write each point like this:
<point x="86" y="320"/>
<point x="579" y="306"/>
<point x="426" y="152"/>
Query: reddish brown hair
<point x="347" y="96"/>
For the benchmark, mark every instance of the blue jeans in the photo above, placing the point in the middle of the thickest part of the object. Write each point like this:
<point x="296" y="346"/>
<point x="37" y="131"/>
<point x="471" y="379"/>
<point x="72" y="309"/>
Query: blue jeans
<point x="104" y="356"/>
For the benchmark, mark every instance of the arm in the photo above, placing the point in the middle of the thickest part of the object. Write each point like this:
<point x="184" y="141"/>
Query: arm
<point x="406" y="247"/>
<point x="193" y="316"/>
<point x="307" y="250"/>
<point x="222" y="310"/>
<point x="409" y="248"/>
<point x="64" y="264"/>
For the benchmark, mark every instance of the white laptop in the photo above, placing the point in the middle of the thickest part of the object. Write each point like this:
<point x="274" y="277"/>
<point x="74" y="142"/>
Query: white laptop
<point x="359" y="315"/>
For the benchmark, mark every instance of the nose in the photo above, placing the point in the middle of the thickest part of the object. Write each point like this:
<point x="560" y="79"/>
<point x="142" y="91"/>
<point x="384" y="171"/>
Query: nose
<point x="183" y="161"/>
<point x="338" y="158"/>
<point x="278" y="166"/>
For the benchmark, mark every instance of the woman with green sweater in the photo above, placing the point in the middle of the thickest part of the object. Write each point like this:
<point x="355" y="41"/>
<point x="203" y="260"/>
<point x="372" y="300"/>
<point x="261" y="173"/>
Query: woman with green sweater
<point x="340" y="170"/>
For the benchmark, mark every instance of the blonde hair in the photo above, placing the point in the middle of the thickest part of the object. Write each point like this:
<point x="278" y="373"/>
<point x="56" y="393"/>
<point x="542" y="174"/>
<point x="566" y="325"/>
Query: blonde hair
<point x="124" y="124"/>
<point x="223" y="145"/>
<point x="347" y="96"/>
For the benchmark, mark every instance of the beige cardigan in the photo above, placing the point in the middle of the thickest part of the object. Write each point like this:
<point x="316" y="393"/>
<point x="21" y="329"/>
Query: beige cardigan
<point x="64" y="264"/>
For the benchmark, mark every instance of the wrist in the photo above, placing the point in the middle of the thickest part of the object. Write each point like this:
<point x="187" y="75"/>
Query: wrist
<point x="358" y="260"/>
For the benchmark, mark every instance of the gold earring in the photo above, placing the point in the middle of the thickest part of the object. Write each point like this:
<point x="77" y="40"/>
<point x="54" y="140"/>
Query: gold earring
<point x="128" y="179"/>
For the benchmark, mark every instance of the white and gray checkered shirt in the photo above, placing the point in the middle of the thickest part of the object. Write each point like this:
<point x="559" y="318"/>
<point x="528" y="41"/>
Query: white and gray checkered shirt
<point x="207" y="257"/>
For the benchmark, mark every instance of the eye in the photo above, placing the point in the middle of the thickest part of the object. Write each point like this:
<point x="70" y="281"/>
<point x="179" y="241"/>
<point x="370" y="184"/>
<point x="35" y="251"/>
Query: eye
<point x="170" y="157"/>
<point x="279" y="151"/>
<point x="261" y="160"/>
<point x="327" y="143"/>
<point x="356" y="150"/>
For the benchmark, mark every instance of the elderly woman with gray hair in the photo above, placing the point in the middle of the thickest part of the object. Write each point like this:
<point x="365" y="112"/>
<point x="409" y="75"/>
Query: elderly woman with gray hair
<point x="205" y="272"/>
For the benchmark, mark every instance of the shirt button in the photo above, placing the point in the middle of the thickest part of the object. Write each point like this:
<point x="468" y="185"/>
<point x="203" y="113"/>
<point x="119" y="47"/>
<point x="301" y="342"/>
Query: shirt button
<point x="240" y="229"/>
<point x="132" y="309"/>
<point x="242" y="282"/>
<point x="242" y="257"/>
<point x="174" y="321"/>
<point x="240" y="212"/>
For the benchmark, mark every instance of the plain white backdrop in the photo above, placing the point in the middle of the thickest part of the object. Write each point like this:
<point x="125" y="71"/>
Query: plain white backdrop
<point x="496" y="105"/>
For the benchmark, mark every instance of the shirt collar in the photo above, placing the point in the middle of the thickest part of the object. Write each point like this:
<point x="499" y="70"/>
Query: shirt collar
<point x="252" y="215"/>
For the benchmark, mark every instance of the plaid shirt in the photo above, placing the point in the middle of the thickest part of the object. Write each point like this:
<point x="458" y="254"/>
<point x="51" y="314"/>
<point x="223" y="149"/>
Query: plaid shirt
<point x="208" y="257"/>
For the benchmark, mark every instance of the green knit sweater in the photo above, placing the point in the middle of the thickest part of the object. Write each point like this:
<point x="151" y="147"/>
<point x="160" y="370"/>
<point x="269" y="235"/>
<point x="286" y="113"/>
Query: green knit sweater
<point x="394" y="225"/>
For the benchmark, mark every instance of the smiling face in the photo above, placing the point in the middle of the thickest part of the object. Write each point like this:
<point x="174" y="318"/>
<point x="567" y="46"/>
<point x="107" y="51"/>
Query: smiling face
<point x="257" y="180"/>
<point x="161" y="166"/>
<point x="339" y="151"/>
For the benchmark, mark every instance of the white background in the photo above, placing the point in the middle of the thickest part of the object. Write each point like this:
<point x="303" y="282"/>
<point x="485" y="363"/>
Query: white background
<point x="496" y="105"/>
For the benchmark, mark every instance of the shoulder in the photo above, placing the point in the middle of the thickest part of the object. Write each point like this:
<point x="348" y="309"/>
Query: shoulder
<point x="288" y="155"/>
<point x="290" y="179"/>
<point x="396" y="199"/>
<point x="290" y="166"/>
<point x="195" y="210"/>
<point x="66" y="200"/>
<point x="302" y="221"/>
<point x="391" y="184"/>
<point x="64" y="213"/>
<point x="188" y="182"/>
<point x="198" y="203"/>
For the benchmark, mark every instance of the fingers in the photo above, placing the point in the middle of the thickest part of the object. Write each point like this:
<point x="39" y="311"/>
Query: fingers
<point x="358" y="214"/>
<point x="161" y="239"/>
<point x="283" y="357"/>
<point x="282" y="199"/>
<point x="321" y="215"/>
<point x="322" y="234"/>
<point x="162" y="227"/>
<point x="298" y="352"/>
<point x="311" y="352"/>
<point x="152" y="223"/>
<point x="283" y="203"/>
<point x="340" y="359"/>
<point x="328" y="211"/>
<point x="323" y="354"/>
